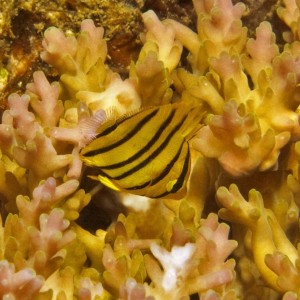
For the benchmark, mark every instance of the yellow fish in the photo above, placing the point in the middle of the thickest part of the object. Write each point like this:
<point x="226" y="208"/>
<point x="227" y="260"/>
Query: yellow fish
<point x="146" y="152"/>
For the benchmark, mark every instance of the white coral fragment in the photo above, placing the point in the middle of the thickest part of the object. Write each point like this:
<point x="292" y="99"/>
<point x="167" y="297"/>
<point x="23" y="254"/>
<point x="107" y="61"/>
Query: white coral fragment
<point x="173" y="262"/>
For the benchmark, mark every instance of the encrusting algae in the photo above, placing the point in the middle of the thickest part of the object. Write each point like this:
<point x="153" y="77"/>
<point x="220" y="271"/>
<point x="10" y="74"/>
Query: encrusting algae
<point x="226" y="129"/>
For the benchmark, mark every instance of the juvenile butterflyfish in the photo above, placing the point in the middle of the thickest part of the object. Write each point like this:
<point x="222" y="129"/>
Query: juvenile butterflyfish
<point x="146" y="152"/>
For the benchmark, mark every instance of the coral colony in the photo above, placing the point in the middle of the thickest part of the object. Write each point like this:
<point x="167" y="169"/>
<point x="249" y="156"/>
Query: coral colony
<point x="245" y="167"/>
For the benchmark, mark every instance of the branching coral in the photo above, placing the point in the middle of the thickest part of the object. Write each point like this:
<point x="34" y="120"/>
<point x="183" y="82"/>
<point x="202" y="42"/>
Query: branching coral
<point x="79" y="61"/>
<point x="225" y="78"/>
<point x="158" y="58"/>
<point x="266" y="234"/>
<point x="37" y="239"/>
<point x="200" y="265"/>
<point x="248" y="144"/>
<point x="18" y="285"/>
<point x="196" y="263"/>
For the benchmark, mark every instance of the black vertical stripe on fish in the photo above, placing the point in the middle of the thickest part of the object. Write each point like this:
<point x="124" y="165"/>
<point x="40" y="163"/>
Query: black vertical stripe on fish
<point x="117" y="123"/>
<point x="150" y="143"/>
<point x="163" y="174"/>
<point x="151" y="156"/>
<point x="180" y="181"/>
<point x="122" y="153"/>
<point x="152" y="161"/>
<point x="133" y="132"/>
